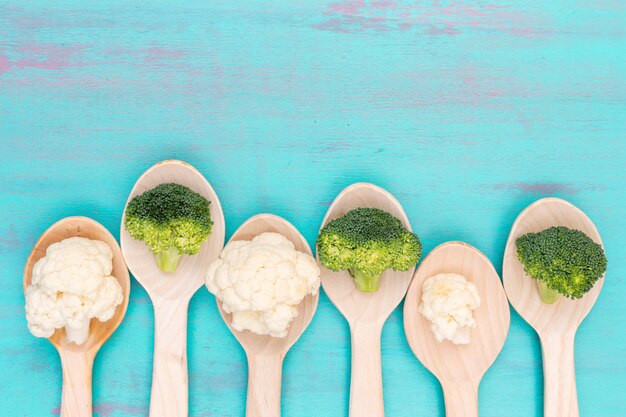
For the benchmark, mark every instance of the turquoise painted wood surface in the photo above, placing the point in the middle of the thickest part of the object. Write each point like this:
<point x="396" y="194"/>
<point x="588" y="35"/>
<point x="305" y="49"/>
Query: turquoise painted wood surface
<point x="466" y="110"/>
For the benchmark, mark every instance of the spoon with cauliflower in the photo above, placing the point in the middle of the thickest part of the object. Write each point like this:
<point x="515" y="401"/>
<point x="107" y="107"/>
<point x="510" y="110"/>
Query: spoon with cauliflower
<point x="76" y="288"/>
<point x="266" y="283"/>
<point x="456" y="318"/>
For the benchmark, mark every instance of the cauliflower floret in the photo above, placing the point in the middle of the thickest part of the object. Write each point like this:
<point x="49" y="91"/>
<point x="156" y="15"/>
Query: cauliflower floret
<point x="71" y="285"/>
<point x="261" y="282"/>
<point x="447" y="302"/>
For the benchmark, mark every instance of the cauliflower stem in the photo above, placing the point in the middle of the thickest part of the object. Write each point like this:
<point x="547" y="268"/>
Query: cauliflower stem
<point x="365" y="282"/>
<point x="167" y="261"/>
<point x="78" y="335"/>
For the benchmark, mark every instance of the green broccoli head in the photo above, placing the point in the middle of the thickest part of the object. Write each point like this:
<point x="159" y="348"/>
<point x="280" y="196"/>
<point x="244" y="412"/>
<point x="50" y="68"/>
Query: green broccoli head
<point x="563" y="261"/>
<point x="366" y="242"/>
<point x="172" y="220"/>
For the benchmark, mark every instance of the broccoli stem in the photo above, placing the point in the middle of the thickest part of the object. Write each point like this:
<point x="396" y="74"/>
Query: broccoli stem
<point x="546" y="294"/>
<point x="366" y="282"/>
<point x="167" y="261"/>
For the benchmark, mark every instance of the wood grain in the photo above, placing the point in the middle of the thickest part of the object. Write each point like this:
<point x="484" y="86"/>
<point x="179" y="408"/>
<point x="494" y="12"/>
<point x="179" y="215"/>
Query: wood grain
<point x="170" y="292"/>
<point x="266" y="353"/>
<point x="466" y="111"/>
<point x="366" y="313"/>
<point x="459" y="368"/>
<point x="555" y="323"/>
<point x="77" y="360"/>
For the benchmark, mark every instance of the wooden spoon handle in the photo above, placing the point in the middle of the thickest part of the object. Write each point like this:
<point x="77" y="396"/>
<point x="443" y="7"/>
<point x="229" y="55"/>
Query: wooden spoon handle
<point x="559" y="377"/>
<point x="76" y="393"/>
<point x="264" y="380"/>
<point x="461" y="399"/>
<point x="169" y="397"/>
<point x="366" y="385"/>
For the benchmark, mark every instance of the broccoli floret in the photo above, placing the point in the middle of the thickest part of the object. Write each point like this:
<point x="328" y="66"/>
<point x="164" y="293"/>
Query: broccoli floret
<point x="366" y="242"/>
<point x="563" y="261"/>
<point x="172" y="220"/>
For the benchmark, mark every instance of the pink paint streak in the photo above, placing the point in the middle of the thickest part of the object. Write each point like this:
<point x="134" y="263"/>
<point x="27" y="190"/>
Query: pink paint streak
<point x="162" y="54"/>
<point x="445" y="30"/>
<point x="363" y="23"/>
<point x="48" y="57"/>
<point x="152" y="55"/>
<point x="384" y="4"/>
<point x="539" y="188"/>
<point x="5" y="65"/>
<point x="477" y="85"/>
<point x="107" y="409"/>
<point x="347" y="7"/>
<point x="435" y="18"/>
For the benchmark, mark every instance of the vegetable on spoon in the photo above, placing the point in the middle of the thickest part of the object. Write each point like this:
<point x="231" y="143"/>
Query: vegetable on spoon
<point x="448" y="300"/>
<point x="172" y="220"/>
<point x="77" y="359"/>
<point x="71" y="285"/>
<point x="258" y="243"/>
<point x="170" y="292"/>
<point x="261" y="282"/>
<point x="556" y="324"/>
<point x="458" y="367"/>
<point x="565" y="262"/>
<point x="366" y="242"/>
<point x="365" y="312"/>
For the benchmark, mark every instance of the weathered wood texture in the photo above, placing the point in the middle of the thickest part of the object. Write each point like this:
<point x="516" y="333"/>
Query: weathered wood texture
<point x="466" y="111"/>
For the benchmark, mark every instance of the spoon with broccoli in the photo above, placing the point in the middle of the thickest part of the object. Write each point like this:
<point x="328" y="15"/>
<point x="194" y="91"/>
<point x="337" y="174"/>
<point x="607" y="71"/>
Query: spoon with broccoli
<point x="172" y="220"/>
<point x="77" y="358"/>
<point x="553" y="272"/>
<point x="172" y="229"/>
<point x="367" y="255"/>
<point x="366" y="242"/>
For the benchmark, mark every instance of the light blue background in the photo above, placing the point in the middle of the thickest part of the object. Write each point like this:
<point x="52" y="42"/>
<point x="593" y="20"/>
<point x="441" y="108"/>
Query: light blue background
<point x="466" y="111"/>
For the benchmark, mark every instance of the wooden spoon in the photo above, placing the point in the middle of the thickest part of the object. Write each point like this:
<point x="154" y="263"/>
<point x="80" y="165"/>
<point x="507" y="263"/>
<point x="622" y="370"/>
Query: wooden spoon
<point x="266" y="353"/>
<point x="366" y="312"/>
<point x="171" y="292"/>
<point x="459" y="368"/>
<point x="77" y="360"/>
<point x="556" y="324"/>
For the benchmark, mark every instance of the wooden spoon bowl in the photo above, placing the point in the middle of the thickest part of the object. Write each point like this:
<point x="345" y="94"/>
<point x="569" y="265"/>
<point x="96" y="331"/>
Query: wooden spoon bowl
<point x="556" y="324"/>
<point x="366" y="313"/>
<point x="189" y="275"/>
<point x="266" y="353"/>
<point x="171" y="292"/>
<point x="77" y="360"/>
<point x="459" y="368"/>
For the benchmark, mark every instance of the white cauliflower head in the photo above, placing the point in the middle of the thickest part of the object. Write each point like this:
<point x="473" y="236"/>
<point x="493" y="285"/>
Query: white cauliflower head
<point x="262" y="281"/>
<point x="71" y="285"/>
<point x="447" y="302"/>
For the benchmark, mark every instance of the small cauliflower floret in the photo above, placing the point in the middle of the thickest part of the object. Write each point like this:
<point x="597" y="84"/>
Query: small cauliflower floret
<point x="261" y="282"/>
<point x="71" y="285"/>
<point x="447" y="302"/>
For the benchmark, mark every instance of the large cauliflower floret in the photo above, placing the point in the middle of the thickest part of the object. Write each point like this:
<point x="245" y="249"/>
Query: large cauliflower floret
<point x="71" y="285"/>
<point x="262" y="281"/>
<point x="447" y="302"/>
